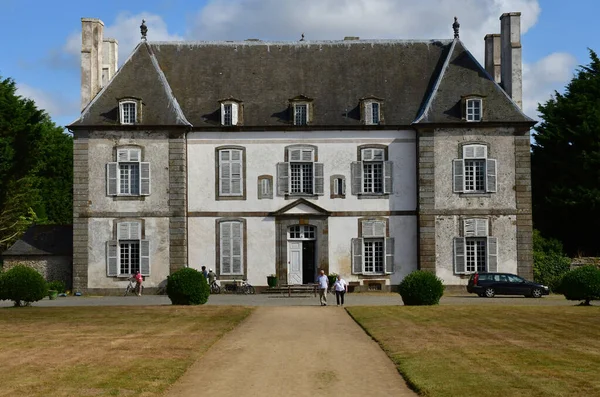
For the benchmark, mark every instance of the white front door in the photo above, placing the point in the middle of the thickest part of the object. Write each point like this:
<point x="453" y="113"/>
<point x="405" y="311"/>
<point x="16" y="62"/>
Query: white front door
<point x="294" y="262"/>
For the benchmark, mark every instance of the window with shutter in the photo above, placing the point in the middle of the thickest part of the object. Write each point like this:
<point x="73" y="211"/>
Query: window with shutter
<point x="389" y="255"/>
<point x="376" y="173"/>
<point x="231" y="248"/>
<point x="474" y="173"/>
<point x="305" y="176"/>
<point x="128" y="176"/>
<point x="230" y="112"/>
<point x="128" y="254"/>
<point x="230" y="172"/>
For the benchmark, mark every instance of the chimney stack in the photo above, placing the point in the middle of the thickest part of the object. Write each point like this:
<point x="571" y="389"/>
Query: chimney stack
<point x="91" y="58"/>
<point x="492" y="56"/>
<point x="511" y="63"/>
<point x="110" y="50"/>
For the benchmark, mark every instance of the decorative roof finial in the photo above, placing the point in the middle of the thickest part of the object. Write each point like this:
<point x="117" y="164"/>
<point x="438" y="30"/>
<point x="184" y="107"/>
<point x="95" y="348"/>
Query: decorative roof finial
<point x="143" y="29"/>
<point x="302" y="39"/>
<point x="456" y="26"/>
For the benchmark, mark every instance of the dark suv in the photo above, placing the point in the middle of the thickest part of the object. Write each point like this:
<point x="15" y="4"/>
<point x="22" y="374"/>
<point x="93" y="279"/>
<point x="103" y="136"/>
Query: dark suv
<point x="491" y="284"/>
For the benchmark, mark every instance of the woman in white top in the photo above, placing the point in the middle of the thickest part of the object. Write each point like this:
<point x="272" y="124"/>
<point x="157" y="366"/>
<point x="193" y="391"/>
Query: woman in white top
<point x="341" y="287"/>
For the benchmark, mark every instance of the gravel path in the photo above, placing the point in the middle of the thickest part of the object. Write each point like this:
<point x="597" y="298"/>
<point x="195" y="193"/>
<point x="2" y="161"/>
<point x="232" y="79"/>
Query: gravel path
<point x="296" y="351"/>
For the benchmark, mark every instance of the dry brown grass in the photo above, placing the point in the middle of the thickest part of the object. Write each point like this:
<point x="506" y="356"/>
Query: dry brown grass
<point x="490" y="350"/>
<point x="99" y="351"/>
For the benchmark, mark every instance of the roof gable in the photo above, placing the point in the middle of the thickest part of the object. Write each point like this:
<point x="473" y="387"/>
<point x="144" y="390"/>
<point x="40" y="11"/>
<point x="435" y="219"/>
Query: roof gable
<point x="301" y="207"/>
<point x="463" y="76"/>
<point x="139" y="77"/>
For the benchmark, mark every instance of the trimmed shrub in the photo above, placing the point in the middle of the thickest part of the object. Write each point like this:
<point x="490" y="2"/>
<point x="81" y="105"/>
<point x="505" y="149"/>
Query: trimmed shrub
<point x="57" y="285"/>
<point x="421" y="288"/>
<point x="187" y="287"/>
<point x="582" y="284"/>
<point x="22" y="285"/>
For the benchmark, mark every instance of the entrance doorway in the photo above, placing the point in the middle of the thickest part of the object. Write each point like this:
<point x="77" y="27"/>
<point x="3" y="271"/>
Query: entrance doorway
<point x="302" y="254"/>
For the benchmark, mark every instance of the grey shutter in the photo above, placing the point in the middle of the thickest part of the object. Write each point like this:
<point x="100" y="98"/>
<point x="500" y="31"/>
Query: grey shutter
<point x="283" y="180"/>
<point x="458" y="171"/>
<point x="388" y="177"/>
<point x="123" y="155"/>
<point x="236" y="179"/>
<point x="236" y="248"/>
<point x="123" y="231"/>
<point x="481" y="227"/>
<point x="343" y="186"/>
<point x="135" y="230"/>
<point x="225" y="247"/>
<point x="319" y="179"/>
<point x="225" y="178"/>
<point x="389" y="255"/>
<point x="459" y="255"/>
<point x="112" y="258"/>
<point x="470" y="228"/>
<point x="357" y="257"/>
<point x="491" y="175"/>
<point x="368" y="113"/>
<point x="368" y="228"/>
<point x="356" y="175"/>
<point x="378" y="229"/>
<point x="111" y="178"/>
<point x="135" y="155"/>
<point x="145" y="257"/>
<point x="492" y="254"/>
<point x="145" y="179"/>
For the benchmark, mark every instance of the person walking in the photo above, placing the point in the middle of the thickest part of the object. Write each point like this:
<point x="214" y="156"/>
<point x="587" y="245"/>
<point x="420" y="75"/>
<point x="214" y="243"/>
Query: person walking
<point x="323" y="282"/>
<point x="205" y="272"/>
<point x="139" y="279"/>
<point x="341" y="287"/>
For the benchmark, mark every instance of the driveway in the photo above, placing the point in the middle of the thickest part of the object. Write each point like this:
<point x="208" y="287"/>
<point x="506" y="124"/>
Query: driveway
<point x="294" y="351"/>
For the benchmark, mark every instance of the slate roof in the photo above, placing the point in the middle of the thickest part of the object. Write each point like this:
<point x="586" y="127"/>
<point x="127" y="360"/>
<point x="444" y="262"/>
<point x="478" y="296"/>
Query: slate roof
<point x="182" y="83"/>
<point x="44" y="240"/>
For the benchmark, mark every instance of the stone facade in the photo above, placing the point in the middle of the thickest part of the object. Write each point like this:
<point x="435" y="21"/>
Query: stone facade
<point x="53" y="268"/>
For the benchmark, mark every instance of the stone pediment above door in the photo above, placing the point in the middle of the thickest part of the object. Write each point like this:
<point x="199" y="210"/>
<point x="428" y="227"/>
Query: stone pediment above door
<point x="301" y="207"/>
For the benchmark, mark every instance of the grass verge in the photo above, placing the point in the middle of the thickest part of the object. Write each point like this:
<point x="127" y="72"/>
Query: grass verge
<point x="100" y="351"/>
<point x="490" y="350"/>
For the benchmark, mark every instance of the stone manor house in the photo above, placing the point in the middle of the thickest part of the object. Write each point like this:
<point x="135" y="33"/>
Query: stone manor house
<point x="367" y="158"/>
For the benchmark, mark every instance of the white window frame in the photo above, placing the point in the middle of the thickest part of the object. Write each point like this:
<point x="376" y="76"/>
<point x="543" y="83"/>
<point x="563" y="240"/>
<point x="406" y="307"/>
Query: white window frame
<point x="231" y="163"/>
<point x="128" y="158"/>
<point x="473" y="105"/>
<point x="478" y="246"/>
<point x="372" y="157"/>
<point x="339" y="186"/>
<point x="297" y="106"/>
<point x="302" y="232"/>
<point x="122" y="105"/>
<point x="475" y="243"/>
<point x="371" y="242"/>
<point x="474" y="166"/>
<point x="372" y="112"/>
<point x="307" y="157"/>
<point x="234" y="109"/>
<point x="128" y="234"/>
<point x="223" y="243"/>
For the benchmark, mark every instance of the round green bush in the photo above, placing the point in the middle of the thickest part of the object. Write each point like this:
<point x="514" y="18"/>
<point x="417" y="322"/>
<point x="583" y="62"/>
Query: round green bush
<point x="187" y="287"/>
<point x="57" y="285"/>
<point x="22" y="285"/>
<point x="421" y="288"/>
<point x="582" y="284"/>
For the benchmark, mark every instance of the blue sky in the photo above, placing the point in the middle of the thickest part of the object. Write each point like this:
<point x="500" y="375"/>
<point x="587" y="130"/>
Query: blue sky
<point x="40" y="40"/>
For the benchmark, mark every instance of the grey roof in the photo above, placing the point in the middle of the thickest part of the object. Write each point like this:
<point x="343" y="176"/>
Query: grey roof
<point x="44" y="240"/>
<point x="182" y="83"/>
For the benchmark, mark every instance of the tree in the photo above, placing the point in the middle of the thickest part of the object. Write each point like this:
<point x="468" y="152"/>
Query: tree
<point x="36" y="167"/>
<point x="566" y="164"/>
<point x="549" y="261"/>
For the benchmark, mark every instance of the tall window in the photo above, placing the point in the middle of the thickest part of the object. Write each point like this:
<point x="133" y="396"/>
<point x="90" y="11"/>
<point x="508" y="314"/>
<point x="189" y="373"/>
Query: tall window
<point x="475" y="172"/>
<point x="473" y="109"/>
<point x="300" y="114"/>
<point x="476" y="251"/>
<point x="128" y="176"/>
<point x="231" y="177"/>
<point x="373" y="170"/>
<point x="300" y="175"/>
<point x="231" y="247"/>
<point x="128" y="112"/>
<point x="129" y="253"/>
<point x="373" y="252"/>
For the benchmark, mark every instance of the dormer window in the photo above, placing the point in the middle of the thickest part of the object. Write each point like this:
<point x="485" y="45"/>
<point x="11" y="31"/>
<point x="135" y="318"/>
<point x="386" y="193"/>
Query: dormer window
<point x="128" y="112"/>
<point x="473" y="108"/>
<point x="371" y="111"/>
<point x="230" y="112"/>
<point x="301" y="110"/>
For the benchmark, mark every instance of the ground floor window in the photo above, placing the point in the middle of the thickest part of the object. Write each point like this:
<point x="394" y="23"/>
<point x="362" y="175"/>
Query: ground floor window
<point x="373" y="256"/>
<point x="129" y="257"/>
<point x="476" y="254"/>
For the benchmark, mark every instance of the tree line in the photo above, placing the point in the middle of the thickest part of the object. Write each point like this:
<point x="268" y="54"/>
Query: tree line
<point x="36" y="167"/>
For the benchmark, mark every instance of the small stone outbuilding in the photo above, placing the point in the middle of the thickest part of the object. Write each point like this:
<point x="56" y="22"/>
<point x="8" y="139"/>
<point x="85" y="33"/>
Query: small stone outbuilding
<point x="46" y="248"/>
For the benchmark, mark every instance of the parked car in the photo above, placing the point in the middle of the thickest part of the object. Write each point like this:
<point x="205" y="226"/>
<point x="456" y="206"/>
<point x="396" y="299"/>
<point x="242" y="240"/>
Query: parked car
<point x="491" y="284"/>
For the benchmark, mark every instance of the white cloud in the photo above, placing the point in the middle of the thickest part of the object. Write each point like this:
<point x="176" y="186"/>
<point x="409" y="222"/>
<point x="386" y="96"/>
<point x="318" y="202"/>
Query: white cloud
<point x="55" y="104"/>
<point x="542" y="78"/>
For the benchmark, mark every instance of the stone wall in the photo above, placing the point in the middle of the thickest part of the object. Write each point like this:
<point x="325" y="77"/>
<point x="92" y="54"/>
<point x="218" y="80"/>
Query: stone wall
<point x="51" y="267"/>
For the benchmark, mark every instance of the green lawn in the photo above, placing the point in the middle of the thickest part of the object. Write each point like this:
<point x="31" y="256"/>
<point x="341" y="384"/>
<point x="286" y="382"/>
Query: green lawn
<point x="100" y="351"/>
<point x="490" y="350"/>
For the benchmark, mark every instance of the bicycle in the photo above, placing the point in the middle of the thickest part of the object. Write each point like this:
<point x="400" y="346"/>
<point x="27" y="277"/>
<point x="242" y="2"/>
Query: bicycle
<point x="243" y="287"/>
<point x="132" y="287"/>
<point x="215" y="288"/>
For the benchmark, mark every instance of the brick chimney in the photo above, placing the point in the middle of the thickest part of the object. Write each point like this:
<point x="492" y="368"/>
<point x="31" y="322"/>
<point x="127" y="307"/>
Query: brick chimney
<point x="493" y="56"/>
<point x="511" y="62"/>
